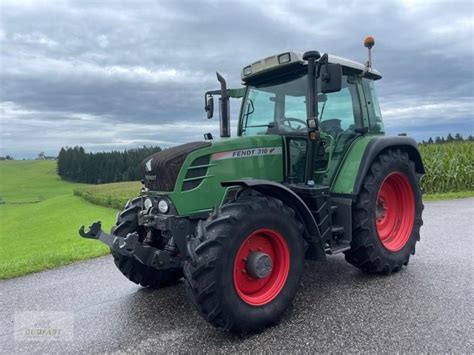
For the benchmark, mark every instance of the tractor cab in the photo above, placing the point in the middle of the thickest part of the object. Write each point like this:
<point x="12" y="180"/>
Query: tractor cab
<point x="276" y="100"/>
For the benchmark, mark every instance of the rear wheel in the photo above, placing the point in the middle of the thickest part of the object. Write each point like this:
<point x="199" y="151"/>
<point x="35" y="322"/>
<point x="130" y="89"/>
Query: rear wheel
<point x="245" y="264"/>
<point x="387" y="215"/>
<point x="135" y="271"/>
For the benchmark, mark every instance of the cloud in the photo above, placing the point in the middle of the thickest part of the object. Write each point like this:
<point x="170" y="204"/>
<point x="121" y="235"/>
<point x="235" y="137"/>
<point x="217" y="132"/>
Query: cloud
<point x="116" y="75"/>
<point x="95" y="133"/>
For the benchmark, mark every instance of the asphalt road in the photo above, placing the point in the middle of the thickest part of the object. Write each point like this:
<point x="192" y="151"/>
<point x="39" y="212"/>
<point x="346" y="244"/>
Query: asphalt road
<point x="428" y="307"/>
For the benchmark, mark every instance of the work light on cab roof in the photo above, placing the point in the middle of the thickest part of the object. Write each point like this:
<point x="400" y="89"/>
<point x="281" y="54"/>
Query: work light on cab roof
<point x="309" y="173"/>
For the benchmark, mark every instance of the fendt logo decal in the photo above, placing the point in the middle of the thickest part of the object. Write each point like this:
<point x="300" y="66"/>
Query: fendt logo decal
<point x="148" y="165"/>
<point x="245" y="153"/>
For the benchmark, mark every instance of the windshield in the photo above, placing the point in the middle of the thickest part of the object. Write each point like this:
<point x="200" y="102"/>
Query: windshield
<point x="280" y="108"/>
<point x="275" y="108"/>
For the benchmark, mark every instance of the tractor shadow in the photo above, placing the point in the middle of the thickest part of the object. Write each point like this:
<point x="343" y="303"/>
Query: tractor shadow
<point x="324" y="288"/>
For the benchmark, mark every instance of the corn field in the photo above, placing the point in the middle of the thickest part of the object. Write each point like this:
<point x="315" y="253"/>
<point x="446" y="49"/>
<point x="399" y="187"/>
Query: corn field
<point x="449" y="167"/>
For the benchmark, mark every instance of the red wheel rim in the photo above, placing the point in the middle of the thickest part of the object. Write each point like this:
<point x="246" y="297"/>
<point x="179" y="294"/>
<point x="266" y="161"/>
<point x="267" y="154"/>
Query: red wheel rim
<point x="255" y="291"/>
<point x="395" y="211"/>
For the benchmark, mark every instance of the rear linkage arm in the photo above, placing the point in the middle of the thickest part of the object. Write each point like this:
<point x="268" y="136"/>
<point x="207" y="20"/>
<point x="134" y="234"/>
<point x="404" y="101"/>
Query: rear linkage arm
<point x="131" y="247"/>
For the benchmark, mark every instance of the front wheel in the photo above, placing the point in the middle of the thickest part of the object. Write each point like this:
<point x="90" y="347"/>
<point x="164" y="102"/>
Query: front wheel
<point x="245" y="264"/>
<point x="387" y="215"/>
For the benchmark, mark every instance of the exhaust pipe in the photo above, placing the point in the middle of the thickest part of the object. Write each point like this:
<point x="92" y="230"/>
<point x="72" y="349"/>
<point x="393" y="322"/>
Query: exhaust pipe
<point x="224" y="108"/>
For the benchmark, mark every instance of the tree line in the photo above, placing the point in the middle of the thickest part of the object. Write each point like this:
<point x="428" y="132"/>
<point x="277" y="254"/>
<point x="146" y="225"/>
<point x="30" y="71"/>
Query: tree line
<point x="74" y="164"/>
<point x="449" y="139"/>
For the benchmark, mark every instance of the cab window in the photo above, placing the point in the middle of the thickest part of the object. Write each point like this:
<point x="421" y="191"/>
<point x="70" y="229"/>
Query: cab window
<point x="340" y="111"/>
<point x="375" y="115"/>
<point x="259" y="112"/>
<point x="295" y="111"/>
<point x="281" y="107"/>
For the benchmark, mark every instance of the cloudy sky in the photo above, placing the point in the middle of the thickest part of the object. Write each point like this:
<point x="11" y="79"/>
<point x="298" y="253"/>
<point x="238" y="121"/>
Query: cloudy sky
<point x="114" y="75"/>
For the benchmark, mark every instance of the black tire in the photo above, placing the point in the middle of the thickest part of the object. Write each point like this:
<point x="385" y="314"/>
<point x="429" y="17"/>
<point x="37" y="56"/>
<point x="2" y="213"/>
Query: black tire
<point x="209" y="269"/>
<point x="135" y="271"/>
<point x="368" y="252"/>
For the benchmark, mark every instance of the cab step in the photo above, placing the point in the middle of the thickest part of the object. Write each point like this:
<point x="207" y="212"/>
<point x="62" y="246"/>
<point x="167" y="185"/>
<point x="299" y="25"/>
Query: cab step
<point x="338" y="248"/>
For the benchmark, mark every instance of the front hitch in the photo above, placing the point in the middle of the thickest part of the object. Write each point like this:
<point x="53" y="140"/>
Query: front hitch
<point x="94" y="230"/>
<point x="131" y="247"/>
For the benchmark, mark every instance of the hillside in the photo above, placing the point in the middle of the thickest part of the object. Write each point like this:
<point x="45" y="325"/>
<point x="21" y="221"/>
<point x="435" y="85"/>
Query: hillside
<point x="27" y="181"/>
<point x="39" y="219"/>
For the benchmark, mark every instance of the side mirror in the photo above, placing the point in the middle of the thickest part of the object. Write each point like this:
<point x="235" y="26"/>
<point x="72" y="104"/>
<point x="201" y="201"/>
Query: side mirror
<point x="209" y="107"/>
<point x="331" y="78"/>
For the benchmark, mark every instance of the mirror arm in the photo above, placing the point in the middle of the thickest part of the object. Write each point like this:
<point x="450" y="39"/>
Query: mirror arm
<point x="324" y="60"/>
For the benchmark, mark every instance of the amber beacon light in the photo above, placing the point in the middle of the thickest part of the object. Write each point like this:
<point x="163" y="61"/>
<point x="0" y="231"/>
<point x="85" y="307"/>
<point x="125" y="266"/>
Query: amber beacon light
<point x="369" y="42"/>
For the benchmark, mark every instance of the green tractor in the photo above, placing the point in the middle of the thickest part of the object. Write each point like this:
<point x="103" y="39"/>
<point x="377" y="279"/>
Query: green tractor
<point x="310" y="174"/>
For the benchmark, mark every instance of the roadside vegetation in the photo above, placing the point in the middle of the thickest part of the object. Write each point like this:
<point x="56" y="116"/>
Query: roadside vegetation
<point x="39" y="219"/>
<point x="113" y="195"/>
<point x="449" y="167"/>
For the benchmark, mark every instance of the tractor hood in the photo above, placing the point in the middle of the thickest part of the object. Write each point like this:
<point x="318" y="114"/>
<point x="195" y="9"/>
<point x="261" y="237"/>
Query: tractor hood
<point x="191" y="174"/>
<point x="162" y="168"/>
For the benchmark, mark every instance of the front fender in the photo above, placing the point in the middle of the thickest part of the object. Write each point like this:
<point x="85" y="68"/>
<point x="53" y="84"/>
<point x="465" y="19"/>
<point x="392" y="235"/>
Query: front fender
<point x="291" y="199"/>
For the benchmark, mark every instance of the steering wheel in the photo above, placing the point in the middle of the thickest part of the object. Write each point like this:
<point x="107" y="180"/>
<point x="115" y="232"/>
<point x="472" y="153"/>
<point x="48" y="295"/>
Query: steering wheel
<point x="291" y="119"/>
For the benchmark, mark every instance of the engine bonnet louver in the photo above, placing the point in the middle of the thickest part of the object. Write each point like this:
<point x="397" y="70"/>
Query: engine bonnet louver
<point x="196" y="173"/>
<point x="162" y="168"/>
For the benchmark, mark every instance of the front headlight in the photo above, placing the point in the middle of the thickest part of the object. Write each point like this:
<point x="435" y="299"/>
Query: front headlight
<point x="148" y="204"/>
<point x="163" y="206"/>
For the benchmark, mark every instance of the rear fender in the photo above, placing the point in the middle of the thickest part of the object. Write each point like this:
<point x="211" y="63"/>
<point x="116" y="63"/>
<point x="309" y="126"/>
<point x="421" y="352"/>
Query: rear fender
<point x="381" y="144"/>
<point x="354" y="168"/>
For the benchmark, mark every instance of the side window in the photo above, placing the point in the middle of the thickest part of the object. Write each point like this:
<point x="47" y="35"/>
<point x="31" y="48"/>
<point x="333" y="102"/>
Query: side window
<point x="339" y="111"/>
<point x="259" y="112"/>
<point x="375" y="115"/>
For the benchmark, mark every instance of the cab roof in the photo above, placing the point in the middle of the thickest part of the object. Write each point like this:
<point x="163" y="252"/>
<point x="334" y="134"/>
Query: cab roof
<point x="291" y="58"/>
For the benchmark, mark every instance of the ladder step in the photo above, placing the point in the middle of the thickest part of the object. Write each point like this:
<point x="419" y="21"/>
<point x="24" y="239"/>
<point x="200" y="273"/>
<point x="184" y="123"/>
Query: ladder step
<point x="337" y="230"/>
<point x="339" y="249"/>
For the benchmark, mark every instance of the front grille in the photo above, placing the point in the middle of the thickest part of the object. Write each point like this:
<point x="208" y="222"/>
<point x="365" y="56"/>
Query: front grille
<point x="162" y="168"/>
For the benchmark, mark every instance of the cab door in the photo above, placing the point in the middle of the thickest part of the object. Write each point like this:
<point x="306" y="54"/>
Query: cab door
<point x="341" y="121"/>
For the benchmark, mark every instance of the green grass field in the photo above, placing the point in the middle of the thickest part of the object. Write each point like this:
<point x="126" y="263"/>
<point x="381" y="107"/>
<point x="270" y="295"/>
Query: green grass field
<point x="23" y="181"/>
<point x="39" y="219"/>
